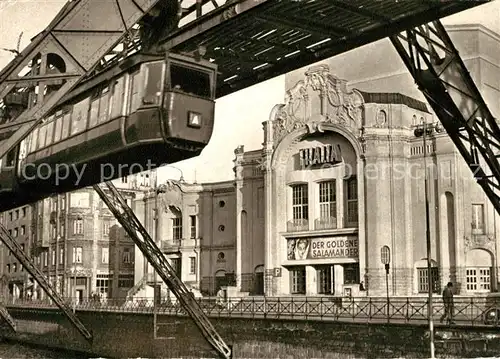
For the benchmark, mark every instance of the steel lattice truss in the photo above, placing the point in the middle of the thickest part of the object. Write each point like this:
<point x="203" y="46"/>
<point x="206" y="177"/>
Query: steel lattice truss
<point x="441" y="75"/>
<point x="124" y="214"/>
<point x="41" y="279"/>
<point x="7" y="317"/>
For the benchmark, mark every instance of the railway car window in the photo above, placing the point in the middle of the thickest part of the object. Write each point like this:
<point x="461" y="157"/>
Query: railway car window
<point x="152" y="89"/>
<point x="190" y="81"/>
<point x="34" y="140"/>
<point x="79" y="116"/>
<point x="135" y="92"/>
<point x="116" y="101"/>
<point x="94" y="112"/>
<point x="50" y="133"/>
<point x="11" y="158"/>
<point x="66" y="121"/>
<point x="41" y="136"/>
<point x="104" y="105"/>
<point x="57" y="129"/>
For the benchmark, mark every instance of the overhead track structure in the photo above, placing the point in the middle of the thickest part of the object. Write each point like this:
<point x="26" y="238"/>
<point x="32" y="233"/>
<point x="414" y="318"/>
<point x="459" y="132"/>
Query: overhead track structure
<point x="124" y="214"/>
<point x="441" y="75"/>
<point x="255" y="40"/>
<point x="16" y="250"/>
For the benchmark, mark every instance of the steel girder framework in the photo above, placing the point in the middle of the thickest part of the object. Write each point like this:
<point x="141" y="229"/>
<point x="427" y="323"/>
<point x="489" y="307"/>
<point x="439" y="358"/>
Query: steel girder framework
<point x="27" y="263"/>
<point x="124" y="214"/>
<point x="255" y="40"/>
<point x="441" y="75"/>
<point x="80" y="35"/>
<point x="7" y="317"/>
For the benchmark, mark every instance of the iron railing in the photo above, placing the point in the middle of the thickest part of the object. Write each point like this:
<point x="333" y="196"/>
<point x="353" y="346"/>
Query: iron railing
<point x="468" y="311"/>
<point x="325" y="223"/>
<point x="297" y="225"/>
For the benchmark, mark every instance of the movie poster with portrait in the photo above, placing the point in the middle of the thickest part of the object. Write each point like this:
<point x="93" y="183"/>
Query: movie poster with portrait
<point x="322" y="248"/>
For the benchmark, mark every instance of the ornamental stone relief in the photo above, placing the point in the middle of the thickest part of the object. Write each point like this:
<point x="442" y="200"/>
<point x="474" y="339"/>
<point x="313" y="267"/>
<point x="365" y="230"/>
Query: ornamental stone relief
<point x="479" y="241"/>
<point x="318" y="99"/>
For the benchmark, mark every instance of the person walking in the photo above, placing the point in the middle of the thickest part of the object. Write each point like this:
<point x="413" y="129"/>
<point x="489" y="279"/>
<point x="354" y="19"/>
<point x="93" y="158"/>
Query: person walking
<point x="448" y="304"/>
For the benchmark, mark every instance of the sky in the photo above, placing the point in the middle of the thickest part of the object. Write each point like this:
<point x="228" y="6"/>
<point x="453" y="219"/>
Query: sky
<point x="238" y="117"/>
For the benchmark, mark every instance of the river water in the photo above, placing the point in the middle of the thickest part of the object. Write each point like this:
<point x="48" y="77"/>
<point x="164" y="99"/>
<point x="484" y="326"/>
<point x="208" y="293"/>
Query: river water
<point x="21" y="351"/>
<point x="9" y="350"/>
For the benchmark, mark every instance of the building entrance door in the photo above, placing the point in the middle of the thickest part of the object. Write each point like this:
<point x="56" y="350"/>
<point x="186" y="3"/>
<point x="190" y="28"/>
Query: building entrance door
<point x="259" y="280"/>
<point x="79" y="296"/>
<point x="326" y="279"/>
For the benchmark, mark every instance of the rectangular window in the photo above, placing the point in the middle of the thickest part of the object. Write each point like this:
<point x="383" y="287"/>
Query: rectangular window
<point x="105" y="228"/>
<point x="23" y="230"/>
<point x="79" y="116"/>
<point x="177" y="228"/>
<point x="135" y="91"/>
<point x="77" y="255"/>
<point x="61" y="255"/>
<point x="50" y="133"/>
<point x="53" y="257"/>
<point x="300" y="209"/>
<point x="478" y="279"/>
<point x="478" y="218"/>
<point x="300" y="206"/>
<point x="94" y="112"/>
<point x="45" y="259"/>
<point x="298" y="280"/>
<point x="192" y="265"/>
<point x="105" y="255"/>
<point x="57" y="129"/>
<point x="423" y="282"/>
<point x="104" y="105"/>
<point x="325" y="280"/>
<point x="192" y="220"/>
<point x="327" y="205"/>
<point x="126" y="255"/>
<point x="125" y="280"/>
<point x="66" y="123"/>
<point x="116" y="102"/>
<point x="351" y="205"/>
<point x="24" y="211"/>
<point x="176" y="265"/>
<point x="351" y="273"/>
<point x="78" y="226"/>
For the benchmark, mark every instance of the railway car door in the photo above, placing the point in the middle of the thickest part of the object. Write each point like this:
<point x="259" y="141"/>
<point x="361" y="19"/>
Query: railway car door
<point x="23" y="153"/>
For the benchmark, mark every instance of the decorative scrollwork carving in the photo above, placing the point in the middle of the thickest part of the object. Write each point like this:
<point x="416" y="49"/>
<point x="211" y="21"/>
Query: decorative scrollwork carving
<point x="318" y="98"/>
<point x="476" y="241"/>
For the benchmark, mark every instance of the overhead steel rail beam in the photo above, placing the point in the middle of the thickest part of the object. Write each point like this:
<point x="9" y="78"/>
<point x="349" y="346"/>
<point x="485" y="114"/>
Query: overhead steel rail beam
<point x="255" y="40"/>
<point x="124" y="214"/>
<point x="18" y="252"/>
<point x="81" y="34"/>
<point x="441" y="75"/>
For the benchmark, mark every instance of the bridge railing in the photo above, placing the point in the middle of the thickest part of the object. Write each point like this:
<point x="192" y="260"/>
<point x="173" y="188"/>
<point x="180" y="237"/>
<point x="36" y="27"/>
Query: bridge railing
<point x="471" y="311"/>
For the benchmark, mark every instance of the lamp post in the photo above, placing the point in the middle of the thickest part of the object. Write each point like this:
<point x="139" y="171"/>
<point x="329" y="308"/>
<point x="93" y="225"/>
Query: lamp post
<point x="385" y="258"/>
<point x="423" y="131"/>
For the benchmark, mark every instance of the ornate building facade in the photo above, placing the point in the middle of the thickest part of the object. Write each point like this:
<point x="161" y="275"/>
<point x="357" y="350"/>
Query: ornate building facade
<point x="194" y="226"/>
<point x="341" y="175"/>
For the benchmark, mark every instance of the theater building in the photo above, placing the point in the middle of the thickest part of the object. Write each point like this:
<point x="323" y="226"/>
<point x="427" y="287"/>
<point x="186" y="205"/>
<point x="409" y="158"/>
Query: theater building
<point x="339" y="180"/>
<point x="341" y="175"/>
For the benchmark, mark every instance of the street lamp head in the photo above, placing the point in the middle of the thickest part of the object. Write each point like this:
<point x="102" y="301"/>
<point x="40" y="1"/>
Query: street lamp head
<point x="418" y="132"/>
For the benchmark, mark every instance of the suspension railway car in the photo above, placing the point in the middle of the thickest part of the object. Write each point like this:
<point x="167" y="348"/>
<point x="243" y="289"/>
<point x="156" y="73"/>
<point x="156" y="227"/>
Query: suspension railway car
<point x="145" y="112"/>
